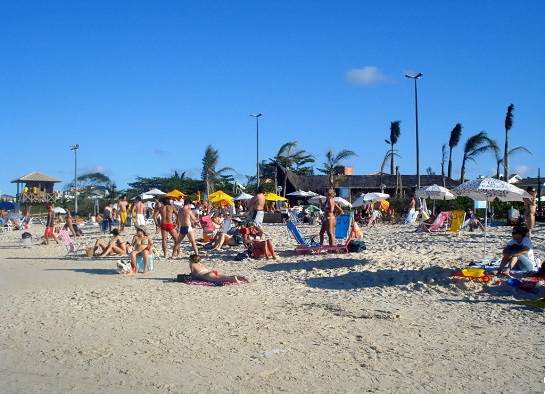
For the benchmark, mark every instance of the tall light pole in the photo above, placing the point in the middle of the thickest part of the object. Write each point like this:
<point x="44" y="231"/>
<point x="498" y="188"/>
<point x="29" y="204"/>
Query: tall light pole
<point x="416" y="77"/>
<point x="75" y="148"/>
<point x="257" y="142"/>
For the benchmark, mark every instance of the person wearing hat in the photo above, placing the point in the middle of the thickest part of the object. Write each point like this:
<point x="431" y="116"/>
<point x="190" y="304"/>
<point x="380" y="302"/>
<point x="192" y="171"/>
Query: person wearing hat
<point x="232" y="237"/>
<point x="142" y="245"/>
<point x="115" y="245"/>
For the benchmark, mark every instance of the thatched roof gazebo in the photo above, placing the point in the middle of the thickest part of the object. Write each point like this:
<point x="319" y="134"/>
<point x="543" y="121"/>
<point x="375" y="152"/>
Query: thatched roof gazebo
<point x="38" y="188"/>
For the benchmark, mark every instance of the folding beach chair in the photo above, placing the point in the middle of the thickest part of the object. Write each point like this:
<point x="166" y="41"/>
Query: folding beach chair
<point x="343" y="231"/>
<point x="440" y="223"/>
<point x="300" y="238"/>
<point x="72" y="249"/>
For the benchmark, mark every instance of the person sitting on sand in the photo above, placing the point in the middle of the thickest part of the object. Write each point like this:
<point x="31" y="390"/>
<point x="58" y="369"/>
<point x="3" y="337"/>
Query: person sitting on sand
<point x="230" y="237"/>
<point x="518" y="254"/>
<point x="200" y="272"/>
<point x="143" y="245"/>
<point x="251" y="232"/>
<point x="115" y="245"/>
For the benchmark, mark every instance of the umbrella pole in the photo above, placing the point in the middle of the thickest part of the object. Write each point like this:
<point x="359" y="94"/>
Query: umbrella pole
<point x="485" y="229"/>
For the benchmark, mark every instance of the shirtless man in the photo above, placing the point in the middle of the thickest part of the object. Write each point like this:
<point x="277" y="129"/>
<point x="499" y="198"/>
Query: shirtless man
<point x="186" y="219"/>
<point x="530" y="209"/>
<point x="167" y="212"/>
<point x="139" y="211"/>
<point x="122" y="206"/>
<point x="256" y="205"/>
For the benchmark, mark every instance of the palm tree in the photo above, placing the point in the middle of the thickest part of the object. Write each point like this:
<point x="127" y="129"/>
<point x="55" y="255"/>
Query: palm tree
<point x="209" y="174"/>
<point x="443" y="161"/>
<point x="508" y="125"/>
<point x="395" y="131"/>
<point x="287" y="157"/>
<point x="330" y="166"/>
<point x="499" y="159"/>
<point x="475" y="145"/>
<point x="455" y="135"/>
<point x="384" y="161"/>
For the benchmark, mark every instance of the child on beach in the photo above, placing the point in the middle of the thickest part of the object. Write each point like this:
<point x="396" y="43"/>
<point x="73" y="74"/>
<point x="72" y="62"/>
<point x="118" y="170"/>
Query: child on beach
<point x="200" y="272"/>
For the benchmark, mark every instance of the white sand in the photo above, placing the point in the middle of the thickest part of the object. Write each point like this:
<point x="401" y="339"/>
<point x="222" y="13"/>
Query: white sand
<point x="385" y="320"/>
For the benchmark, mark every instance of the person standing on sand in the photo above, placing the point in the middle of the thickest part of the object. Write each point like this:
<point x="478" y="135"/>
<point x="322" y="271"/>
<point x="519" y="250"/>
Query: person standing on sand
<point x="329" y="221"/>
<point x="139" y="211"/>
<point x="256" y="205"/>
<point x="186" y="219"/>
<point x="50" y="225"/>
<point x="411" y="213"/>
<point x="168" y="226"/>
<point x="530" y="209"/>
<point x="70" y="222"/>
<point x="122" y="206"/>
<point x="200" y="272"/>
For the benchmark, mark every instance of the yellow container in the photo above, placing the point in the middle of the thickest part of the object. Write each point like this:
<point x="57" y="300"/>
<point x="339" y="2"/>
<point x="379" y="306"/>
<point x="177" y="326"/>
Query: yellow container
<point x="473" y="272"/>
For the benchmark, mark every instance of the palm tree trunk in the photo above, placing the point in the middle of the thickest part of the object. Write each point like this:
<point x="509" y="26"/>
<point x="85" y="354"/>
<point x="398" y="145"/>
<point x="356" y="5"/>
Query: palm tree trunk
<point x="506" y="157"/>
<point x="392" y="163"/>
<point x="450" y="164"/>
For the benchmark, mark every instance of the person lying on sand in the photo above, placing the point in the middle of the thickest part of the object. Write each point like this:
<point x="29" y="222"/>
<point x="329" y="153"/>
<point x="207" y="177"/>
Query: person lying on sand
<point x="200" y="272"/>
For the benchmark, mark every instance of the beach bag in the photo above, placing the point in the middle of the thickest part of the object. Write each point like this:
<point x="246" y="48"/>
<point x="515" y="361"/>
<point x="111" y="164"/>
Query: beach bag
<point x="260" y="249"/>
<point x="238" y="239"/>
<point x="356" y="246"/>
<point x="123" y="267"/>
<point x="90" y="251"/>
<point x="243" y="255"/>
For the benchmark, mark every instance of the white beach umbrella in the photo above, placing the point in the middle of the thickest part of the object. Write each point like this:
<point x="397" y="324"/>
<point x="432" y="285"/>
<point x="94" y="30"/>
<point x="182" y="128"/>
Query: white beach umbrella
<point x="59" y="210"/>
<point x="317" y="199"/>
<point x="370" y="198"/>
<point x="488" y="189"/>
<point x="155" y="192"/>
<point x="299" y="193"/>
<point x="243" y="196"/>
<point x="435" y="192"/>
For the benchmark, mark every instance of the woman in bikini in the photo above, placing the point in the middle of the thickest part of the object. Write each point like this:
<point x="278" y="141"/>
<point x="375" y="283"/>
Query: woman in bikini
<point x="116" y="245"/>
<point x="200" y="272"/>
<point x="328" y="221"/>
<point x="142" y="245"/>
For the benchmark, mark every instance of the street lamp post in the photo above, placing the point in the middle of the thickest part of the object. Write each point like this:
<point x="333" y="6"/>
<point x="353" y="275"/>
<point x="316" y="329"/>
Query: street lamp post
<point x="416" y="77"/>
<point x="75" y="148"/>
<point x="257" y="142"/>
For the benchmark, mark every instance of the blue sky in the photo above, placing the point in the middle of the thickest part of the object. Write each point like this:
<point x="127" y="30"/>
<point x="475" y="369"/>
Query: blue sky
<point x="144" y="86"/>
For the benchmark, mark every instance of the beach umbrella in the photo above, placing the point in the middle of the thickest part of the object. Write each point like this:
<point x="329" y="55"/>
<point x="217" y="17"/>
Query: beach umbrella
<point x="370" y="198"/>
<point x="155" y="192"/>
<point x="7" y="205"/>
<point x="342" y="202"/>
<point x="312" y="208"/>
<point x="299" y="193"/>
<point x="243" y="196"/>
<point x="488" y="189"/>
<point x="176" y="194"/>
<point x="145" y="196"/>
<point x="435" y="192"/>
<point x="274" y="197"/>
<point x="317" y="199"/>
<point x="59" y="210"/>
<point x="218" y="196"/>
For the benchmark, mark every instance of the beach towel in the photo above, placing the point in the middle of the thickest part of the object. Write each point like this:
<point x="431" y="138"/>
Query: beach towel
<point x="188" y="280"/>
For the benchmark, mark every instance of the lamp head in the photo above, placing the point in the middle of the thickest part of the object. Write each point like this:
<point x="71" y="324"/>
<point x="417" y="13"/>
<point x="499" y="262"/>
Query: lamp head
<point x="74" y="147"/>
<point x="256" y="116"/>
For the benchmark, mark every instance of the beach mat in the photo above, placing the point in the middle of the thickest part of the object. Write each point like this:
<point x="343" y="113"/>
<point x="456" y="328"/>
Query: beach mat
<point x="538" y="303"/>
<point x="188" y="280"/>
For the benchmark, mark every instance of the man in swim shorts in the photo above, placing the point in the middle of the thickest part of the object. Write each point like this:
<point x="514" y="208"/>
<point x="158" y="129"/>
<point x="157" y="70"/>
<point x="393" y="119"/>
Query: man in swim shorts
<point x="186" y="218"/>
<point x="256" y="205"/>
<point x="139" y="211"/>
<point x="122" y="206"/>
<point x="167" y="212"/>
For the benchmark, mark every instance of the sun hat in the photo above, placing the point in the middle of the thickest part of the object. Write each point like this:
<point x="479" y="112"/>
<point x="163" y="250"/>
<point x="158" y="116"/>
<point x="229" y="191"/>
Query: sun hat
<point x="142" y="228"/>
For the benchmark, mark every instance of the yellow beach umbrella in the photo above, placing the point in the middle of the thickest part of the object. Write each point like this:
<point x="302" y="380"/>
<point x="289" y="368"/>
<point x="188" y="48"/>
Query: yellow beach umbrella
<point x="218" y="196"/>
<point x="274" y="197"/>
<point x="176" y="194"/>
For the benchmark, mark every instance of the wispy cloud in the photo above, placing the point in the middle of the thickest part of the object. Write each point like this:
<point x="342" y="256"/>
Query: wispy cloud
<point x="93" y="169"/>
<point x="159" y="152"/>
<point x="368" y="75"/>
<point x="522" y="170"/>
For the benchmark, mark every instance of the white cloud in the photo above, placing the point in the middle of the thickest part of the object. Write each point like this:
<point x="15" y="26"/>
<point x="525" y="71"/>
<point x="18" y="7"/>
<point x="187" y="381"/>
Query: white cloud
<point x="521" y="170"/>
<point x="92" y="170"/>
<point x="369" y="75"/>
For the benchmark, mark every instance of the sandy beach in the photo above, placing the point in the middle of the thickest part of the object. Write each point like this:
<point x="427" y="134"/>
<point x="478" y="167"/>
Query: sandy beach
<point x="385" y="320"/>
